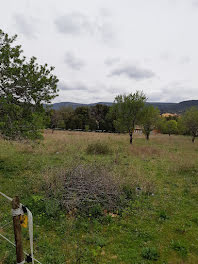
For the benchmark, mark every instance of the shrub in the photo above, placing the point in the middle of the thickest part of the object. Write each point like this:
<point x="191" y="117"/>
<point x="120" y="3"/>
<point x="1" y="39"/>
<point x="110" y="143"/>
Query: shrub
<point x="86" y="189"/>
<point x="150" y="253"/>
<point x="163" y="215"/>
<point x="98" y="148"/>
<point x="180" y="248"/>
<point x="51" y="207"/>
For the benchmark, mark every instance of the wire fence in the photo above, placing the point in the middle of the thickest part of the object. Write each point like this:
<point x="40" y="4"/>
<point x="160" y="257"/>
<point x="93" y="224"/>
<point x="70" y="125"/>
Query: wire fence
<point x="6" y="227"/>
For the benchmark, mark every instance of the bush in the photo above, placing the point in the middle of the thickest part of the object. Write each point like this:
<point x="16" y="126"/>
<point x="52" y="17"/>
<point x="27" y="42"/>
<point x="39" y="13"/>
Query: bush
<point x="86" y="189"/>
<point x="150" y="253"/>
<point x="180" y="248"/>
<point x="98" y="148"/>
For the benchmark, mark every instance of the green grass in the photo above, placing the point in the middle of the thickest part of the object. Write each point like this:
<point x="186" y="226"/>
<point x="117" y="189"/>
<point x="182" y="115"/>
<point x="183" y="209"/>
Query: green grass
<point x="158" y="225"/>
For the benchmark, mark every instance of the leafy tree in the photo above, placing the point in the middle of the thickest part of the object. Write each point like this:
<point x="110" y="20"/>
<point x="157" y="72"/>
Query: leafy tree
<point x="83" y="115"/>
<point x="127" y="109"/>
<point x="171" y="127"/>
<point x="190" y="122"/>
<point x="24" y="87"/>
<point x="99" y="112"/>
<point x="150" y="116"/>
<point x="161" y="124"/>
<point x="65" y="114"/>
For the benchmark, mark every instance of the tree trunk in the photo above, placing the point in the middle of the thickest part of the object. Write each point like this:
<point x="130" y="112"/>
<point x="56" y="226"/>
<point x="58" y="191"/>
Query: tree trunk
<point x="169" y="134"/>
<point x="193" y="139"/>
<point x="131" y="137"/>
<point x="147" y="136"/>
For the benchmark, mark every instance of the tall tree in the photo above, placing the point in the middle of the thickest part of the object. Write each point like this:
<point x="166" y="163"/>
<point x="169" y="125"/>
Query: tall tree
<point x="190" y="121"/>
<point x="127" y="109"/>
<point x="24" y="87"/>
<point x="149" y="118"/>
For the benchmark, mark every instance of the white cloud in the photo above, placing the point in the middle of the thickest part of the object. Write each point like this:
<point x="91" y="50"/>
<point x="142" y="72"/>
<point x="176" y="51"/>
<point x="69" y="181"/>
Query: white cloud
<point x="132" y="72"/>
<point x="88" y="40"/>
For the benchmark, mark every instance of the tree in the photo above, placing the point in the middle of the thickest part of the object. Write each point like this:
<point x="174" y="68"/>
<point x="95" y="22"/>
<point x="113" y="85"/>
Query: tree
<point x="171" y="127"/>
<point x="127" y="109"/>
<point x="190" y="121"/>
<point x="149" y="118"/>
<point x="65" y="115"/>
<point x="99" y="112"/>
<point x="24" y="87"/>
<point x="83" y="115"/>
<point x="161" y="124"/>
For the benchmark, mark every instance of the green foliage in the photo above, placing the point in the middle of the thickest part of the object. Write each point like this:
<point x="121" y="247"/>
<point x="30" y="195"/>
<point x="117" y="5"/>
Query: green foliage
<point x="86" y="128"/>
<point x="99" y="113"/>
<point x="161" y="124"/>
<point x="85" y="118"/>
<point x="150" y="253"/>
<point x="52" y="207"/>
<point x="127" y="109"/>
<point x="24" y="87"/>
<point x="98" y="148"/>
<point x="171" y="127"/>
<point x="149" y="119"/>
<point x="180" y="248"/>
<point x="163" y="215"/>
<point x="190" y="121"/>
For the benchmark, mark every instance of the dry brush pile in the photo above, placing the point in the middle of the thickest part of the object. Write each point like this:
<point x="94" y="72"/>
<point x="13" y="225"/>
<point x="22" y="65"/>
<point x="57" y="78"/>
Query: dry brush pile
<point x="85" y="189"/>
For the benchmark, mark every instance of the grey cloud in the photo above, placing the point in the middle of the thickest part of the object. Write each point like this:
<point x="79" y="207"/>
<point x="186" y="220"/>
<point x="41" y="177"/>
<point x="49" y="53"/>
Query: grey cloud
<point x="72" y="86"/>
<point x="73" y="62"/>
<point x="78" y="23"/>
<point x="133" y="72"/>
<point x="195" y="3"/>
<point x="111" y="61"/>
<point x="24" y="25"/>
<point x="73" y="23"/>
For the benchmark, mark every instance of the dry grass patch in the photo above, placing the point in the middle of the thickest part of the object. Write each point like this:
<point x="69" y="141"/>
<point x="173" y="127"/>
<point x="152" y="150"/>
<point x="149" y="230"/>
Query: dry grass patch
<point x="98" y="148"/>
<point x="145" y="151"/>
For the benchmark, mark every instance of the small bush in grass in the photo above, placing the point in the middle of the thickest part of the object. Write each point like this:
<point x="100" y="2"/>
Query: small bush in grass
<point x="52" y="207"/>
<point x="180" y="248"/>
<point x="98" y="148"/>
<point x="150" y="253"/>
<point x="162" y="215"/>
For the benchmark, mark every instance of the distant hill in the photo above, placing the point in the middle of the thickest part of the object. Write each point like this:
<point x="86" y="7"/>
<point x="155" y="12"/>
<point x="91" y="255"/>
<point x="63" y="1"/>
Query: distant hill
<point x="163" y="107"/>
<point x="175" y="107"/>
<point x="57" y="106"/>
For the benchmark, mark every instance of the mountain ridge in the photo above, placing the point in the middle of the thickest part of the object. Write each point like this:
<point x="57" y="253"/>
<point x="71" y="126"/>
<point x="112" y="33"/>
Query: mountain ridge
<point x="163" y="107"/>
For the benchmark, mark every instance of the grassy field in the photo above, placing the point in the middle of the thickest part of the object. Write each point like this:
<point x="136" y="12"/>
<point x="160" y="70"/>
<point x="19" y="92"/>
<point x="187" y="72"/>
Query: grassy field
<point x="159" y="224"/>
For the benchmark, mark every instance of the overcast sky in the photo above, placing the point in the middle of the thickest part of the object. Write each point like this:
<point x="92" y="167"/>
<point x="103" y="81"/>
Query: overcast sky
<point x="101" y="48"/>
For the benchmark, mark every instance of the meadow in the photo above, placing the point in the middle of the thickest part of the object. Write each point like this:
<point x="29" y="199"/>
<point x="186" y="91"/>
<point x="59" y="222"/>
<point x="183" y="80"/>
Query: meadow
<point x="157" y="224"/>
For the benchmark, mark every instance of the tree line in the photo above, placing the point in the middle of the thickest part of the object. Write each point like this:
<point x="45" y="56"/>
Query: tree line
<point x="25" y="86"/>
<point x="127" y="112"/>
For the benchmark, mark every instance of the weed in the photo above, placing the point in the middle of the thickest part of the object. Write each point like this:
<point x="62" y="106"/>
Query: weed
<point x="150" y="253"/>
<point x="179" y="247"/>
<point x="163" y="215"/>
